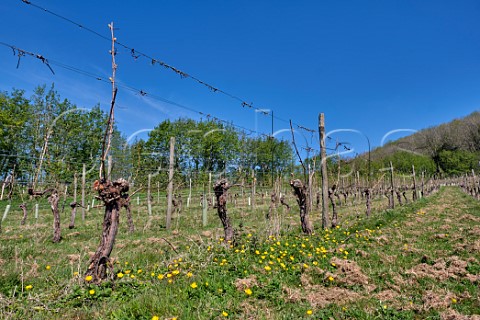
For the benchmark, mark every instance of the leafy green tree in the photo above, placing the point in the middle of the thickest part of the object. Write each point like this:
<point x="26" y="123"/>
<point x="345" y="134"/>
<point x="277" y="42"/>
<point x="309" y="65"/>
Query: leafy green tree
<point x="458" y="161"/>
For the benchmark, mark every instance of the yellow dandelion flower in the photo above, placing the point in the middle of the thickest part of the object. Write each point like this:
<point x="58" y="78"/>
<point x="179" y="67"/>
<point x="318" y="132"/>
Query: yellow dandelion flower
<point x="139" y="271"/>
<point x="193" y="285"/>
<point x="29" y="287"/>
<point x="169" y="275"/>
<point x="48" y="267"/>
<point x="224" y="313"/>
<point x="309" y="312"/>
<point x="128" y="271"/>
<point x="88" y="278"/>
<point x="155" y="318"/>
<point x="160" y="276"/>
<point x="91" y="292"/>
<point x="120" y="275"/>
<point x="248" y="291"/>
<point x="267" y="268"/>
<point x="152" y="274"/>
<point x="75" y="273"/>
<point x="175" y="272"/>
<point x="454" y="300"/>
<point x="189" y="274"/>
<point x="333" y="264"/>
<point x="132" y="276"/>
<point x="330" y="278"/>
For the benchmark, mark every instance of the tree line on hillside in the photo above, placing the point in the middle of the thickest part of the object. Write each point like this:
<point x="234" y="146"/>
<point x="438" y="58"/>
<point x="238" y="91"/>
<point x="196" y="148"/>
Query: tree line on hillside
<point x="451" y="149"/>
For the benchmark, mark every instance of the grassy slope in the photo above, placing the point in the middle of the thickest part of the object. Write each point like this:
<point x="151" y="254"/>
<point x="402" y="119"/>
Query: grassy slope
<point x="415" y="262"/>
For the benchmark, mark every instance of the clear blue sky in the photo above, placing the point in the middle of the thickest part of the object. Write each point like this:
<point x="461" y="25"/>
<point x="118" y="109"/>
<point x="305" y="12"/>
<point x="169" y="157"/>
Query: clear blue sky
<point x="371" y="66"/>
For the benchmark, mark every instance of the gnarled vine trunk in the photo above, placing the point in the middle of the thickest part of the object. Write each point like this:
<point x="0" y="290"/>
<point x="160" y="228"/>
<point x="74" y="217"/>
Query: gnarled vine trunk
<point x="23" y="206"/>
<point x="126" y="205"/>
<point x="368" y="197"/>
<point x="53" y="200"/>
<point x="74" y="206"/>
<point x="220" y="188"/>
<point x="331" y="193"/>
<point x="284" y="203"/>
<point x="300" y="192"/>
<point x="111" y="194"/>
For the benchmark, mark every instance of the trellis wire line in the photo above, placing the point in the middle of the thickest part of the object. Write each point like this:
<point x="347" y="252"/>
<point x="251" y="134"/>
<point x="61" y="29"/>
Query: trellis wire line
<point x="130" y="88"/>
<point x="136" y="54"/>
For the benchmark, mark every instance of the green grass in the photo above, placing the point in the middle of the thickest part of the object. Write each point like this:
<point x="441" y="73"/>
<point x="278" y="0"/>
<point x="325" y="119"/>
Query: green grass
<point x="365" y="269"/>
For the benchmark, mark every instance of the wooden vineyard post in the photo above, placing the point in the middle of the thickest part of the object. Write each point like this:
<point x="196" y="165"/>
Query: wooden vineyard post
<point x="74" y="204"/>
<point x="392" y="187"/>
<point x="7" y="208"/>
<point x="357" y="189"/>
<point x="415" y="195"/>
<point x="170" y="183"/>
<point x="149" y="195"/>
<point x="474" y="184"/>
<point x="189" y="199"/>
<point x="323" y="159"/>
<point x="221" y="188"/>
<point x="109" y="168"/>
<point x="254" y="184"/>
<point x="84" y="169"/>
<point x="423" y="184"/>
<point x="210" y="198"/>
<point x="204" y="210"/>
<point x="301" y="194"/>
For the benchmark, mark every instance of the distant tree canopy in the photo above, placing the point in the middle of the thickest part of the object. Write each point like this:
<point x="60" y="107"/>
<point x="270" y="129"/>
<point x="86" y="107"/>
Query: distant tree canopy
<point x="45" y="124"/>
<point x="212" y="146"/>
